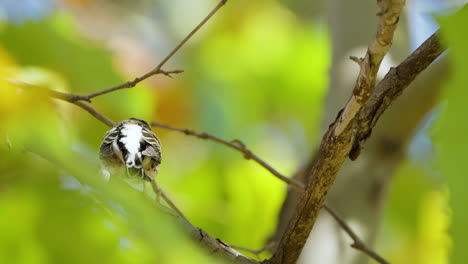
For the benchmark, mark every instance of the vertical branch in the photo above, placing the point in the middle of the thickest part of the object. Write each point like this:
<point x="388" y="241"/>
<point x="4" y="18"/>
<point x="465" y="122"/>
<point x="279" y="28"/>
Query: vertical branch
<point x="370" y="64"/>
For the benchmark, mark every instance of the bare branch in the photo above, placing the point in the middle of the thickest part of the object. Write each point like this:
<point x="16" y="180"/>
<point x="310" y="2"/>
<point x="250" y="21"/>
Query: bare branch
<point x="71" y="98"/>
<point x="256" y="252"/>
<point x="94" y="113"/>
<point x="129" y="84"/>
<point x="357" y="242"/>
<point x="357" y="60"/>
<point x="158" y="69"/>
<point x="216" y="246"/>
<point x="239" y="146"/>
<point x="158" y="191"/>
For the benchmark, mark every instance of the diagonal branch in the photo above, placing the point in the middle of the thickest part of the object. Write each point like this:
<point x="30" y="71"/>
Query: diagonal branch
<point x="71" y="98"/>
<point x="357" y="242"/>
<point x="94" y="113"/>
<point x="158" y="69"/>
<point x="239" y="146"/>
<point x="158" y="191"/>
<point x="394" y="83"/>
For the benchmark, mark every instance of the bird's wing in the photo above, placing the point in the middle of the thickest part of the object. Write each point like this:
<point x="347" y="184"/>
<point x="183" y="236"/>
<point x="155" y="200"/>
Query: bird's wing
<point x="106" y="149"/>
<point x="153" y="147"/>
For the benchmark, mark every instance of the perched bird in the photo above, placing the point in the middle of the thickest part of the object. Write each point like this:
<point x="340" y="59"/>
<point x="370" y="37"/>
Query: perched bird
<point x="132" y="145"/>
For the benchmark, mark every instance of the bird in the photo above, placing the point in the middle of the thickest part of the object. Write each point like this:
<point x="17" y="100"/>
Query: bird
<point x="133" y="146"/>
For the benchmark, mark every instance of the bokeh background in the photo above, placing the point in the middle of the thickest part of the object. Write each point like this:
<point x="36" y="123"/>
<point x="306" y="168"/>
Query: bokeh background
<point x="258" y="72"/>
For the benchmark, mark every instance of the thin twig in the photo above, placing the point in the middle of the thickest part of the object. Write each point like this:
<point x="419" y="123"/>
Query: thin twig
<point x="158" y="69"/>
<point x="129" y="84"/>
<point x="369" y="65"/>
<point x="158" y="191"/>
<point x="71" y="98"/>
<point x="94" y="113"/>
<point x="256" y="252"/>
<point x="357" y="242"/>
<point x="239" y="146"/>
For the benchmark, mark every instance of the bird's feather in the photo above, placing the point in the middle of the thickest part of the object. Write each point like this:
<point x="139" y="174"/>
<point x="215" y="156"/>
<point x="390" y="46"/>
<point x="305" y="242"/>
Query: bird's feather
<point x="153" y="147"/>
<point x="106" y="149"/>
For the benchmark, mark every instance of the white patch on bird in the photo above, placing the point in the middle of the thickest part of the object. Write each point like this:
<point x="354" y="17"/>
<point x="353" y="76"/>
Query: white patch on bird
<point x="131" y="136"/>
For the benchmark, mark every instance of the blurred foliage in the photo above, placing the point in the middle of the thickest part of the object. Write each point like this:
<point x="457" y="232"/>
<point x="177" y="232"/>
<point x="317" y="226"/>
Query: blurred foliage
<point x="416" y="222"/>
<point x="250" y="80"/>
<point x="451" y="131"/>
<point x="426" y="219"/>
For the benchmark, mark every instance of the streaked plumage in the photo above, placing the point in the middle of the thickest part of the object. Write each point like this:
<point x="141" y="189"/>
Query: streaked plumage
<point x="131" y="145"/>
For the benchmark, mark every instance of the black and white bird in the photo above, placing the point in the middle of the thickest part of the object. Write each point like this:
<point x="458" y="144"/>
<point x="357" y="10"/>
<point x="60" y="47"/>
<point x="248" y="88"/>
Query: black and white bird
<point x="131" y="145"/>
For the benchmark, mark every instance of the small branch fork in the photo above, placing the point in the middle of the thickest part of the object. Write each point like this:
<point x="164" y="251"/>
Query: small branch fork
<point x="369" y="65"/>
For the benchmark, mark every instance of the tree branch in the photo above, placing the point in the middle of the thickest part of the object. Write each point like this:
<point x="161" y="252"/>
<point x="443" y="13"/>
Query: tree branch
<point x="256" y="252"/>
<point x="357" y="242"/>
<point x="239" y="146"/>
<point x="158" y="191"/>
<point x="158" y="69"/>
<point x="370" y="64"/>
<point x="214" y="245"/>
<point x="335" y="147"/>
<point x="94" y="113"/>
<point x="71" y="98"/>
